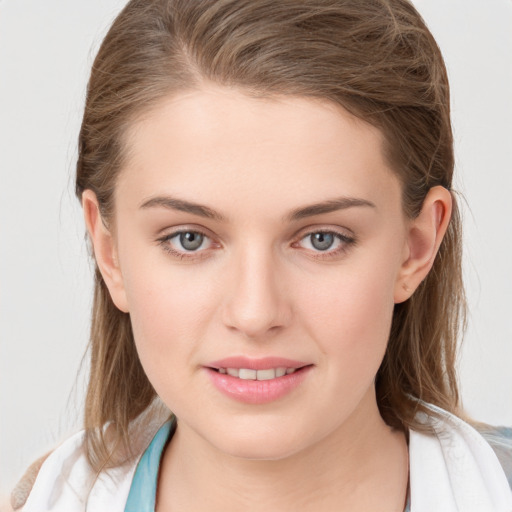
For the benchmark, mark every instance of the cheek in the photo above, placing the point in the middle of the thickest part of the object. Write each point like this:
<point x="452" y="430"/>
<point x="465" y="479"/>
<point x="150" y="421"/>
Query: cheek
<point x="169" y="310"/>
<point x="351" y="328"/>
<point x="354" y="316"/>
<point x="349" y="315"/>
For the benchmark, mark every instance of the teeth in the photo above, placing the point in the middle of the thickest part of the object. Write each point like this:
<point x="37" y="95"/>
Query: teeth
<point x="245" y="374"/>
<point x="248" y="374"/>
<point x="280" y="372"/>
<point x="266" y="374"/>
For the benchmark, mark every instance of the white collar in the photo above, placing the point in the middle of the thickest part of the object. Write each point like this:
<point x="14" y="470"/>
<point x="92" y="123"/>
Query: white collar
<point x="454" y="470"/>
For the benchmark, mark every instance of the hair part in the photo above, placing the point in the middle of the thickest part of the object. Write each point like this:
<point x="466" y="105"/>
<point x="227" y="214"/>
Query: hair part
<point x="376" y="59"/>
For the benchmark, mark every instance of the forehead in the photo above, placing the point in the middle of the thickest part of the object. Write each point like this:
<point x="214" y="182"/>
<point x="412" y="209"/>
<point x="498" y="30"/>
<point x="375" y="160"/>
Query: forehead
<point x="221" y="144"/>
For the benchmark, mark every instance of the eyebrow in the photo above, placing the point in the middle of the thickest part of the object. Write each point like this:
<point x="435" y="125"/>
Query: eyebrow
<point x="331" y="205"/>
<point x="173" y="203"/>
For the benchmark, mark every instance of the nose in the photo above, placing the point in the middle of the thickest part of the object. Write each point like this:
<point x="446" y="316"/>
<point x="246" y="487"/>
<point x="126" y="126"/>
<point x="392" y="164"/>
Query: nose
<point x="256" y="303"/>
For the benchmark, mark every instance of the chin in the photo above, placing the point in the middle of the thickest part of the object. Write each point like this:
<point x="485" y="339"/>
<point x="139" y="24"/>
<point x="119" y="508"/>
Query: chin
<point x="265" y="442"/>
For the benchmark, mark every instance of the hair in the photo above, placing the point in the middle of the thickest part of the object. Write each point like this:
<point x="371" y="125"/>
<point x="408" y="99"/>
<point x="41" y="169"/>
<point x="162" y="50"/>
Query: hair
<point x="374" y="58"/>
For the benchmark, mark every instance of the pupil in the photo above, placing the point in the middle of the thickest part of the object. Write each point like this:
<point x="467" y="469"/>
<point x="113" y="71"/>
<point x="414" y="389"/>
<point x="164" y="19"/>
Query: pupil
<point x="322" y="241"/>
<point x="191" y="241"/>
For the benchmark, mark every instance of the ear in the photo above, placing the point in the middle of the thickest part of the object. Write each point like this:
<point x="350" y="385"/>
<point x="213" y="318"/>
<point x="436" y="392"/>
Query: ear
<point x="105" y="251"/>
<point x="424" y="236"/>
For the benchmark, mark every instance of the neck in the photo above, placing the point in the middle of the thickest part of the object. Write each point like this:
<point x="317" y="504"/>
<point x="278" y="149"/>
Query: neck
<point x="361" y="466"/>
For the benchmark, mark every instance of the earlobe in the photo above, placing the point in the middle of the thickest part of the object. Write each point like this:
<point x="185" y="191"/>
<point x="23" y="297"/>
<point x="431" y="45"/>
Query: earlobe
<point x="425" y="234"/>
<point x="105" y="252"/>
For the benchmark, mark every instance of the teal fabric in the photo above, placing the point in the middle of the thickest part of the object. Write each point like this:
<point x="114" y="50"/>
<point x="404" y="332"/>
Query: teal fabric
<point x="143" y="489"/>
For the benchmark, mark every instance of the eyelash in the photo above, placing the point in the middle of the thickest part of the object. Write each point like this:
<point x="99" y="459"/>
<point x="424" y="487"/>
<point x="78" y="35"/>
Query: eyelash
<point x="197" y="255"/>
<point x="346" y="243"/>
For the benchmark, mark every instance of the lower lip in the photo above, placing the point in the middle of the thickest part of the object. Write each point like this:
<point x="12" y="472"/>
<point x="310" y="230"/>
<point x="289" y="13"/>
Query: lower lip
<point x="257" y="391"/>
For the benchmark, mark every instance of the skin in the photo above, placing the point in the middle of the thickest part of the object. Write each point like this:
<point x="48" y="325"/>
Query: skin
<point x="259" y="287"/>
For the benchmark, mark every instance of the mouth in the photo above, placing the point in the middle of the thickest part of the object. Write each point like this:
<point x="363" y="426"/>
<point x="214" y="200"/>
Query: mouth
<point x="252" y="374"/>
<point x="257" y="381"/>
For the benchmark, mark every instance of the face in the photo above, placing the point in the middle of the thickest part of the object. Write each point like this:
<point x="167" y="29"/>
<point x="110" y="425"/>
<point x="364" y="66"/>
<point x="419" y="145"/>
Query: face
<point x="256" y="237"/>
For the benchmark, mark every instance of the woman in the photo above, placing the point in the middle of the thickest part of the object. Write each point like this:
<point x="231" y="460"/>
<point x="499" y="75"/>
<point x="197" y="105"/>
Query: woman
<point x="267" y="191"/>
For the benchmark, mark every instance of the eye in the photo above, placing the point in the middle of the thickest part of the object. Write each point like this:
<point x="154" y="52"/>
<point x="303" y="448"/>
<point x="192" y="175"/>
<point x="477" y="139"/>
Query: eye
<point x="322" y="241"/>
<point x="189" y="240"/>
<point x="185" y="243"/>
<point x="331" y="243"/>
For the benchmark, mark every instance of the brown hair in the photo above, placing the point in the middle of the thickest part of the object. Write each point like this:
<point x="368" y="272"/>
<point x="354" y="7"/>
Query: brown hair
<point x="375" y="58"/>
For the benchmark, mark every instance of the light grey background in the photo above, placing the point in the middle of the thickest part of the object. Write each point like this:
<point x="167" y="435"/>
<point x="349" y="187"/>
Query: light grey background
<point x="46" y="49"/>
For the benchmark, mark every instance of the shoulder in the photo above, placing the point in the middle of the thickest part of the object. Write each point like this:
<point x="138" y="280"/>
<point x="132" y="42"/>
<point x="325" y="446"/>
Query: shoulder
<point x="64" y="479"/>
<point x="453" y="462"/>
<point x="52" y="474"/>
<point x="447" y="427"/>
<point x="500" y="440"/>
<point x="20" y="493"/>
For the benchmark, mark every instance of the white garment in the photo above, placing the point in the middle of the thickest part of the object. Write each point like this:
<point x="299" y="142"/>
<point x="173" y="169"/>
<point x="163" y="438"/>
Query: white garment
<point x="454" y="470"/>
<point x="66" y="483"/>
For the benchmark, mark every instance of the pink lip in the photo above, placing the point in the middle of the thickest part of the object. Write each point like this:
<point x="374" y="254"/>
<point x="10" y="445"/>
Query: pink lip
<point x="257" y="391"/>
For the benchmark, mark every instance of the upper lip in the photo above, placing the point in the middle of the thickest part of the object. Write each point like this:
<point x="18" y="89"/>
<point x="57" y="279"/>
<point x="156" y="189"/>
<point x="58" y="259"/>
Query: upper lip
<point x="264" y="363"/>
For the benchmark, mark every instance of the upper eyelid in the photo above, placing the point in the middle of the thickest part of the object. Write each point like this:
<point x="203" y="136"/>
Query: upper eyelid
<point x="343" y="232"/>
<point x="168" y="233"/>
<point x="343" y="238"/>
<point x="173" y="234"/>
<point x="326" y="231"/>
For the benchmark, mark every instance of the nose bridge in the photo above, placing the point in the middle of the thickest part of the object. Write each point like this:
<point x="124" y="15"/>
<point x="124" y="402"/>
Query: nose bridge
<point x="257" y="301"/>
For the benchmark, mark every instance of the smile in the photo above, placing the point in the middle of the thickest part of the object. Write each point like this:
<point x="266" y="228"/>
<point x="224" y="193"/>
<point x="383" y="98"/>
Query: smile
<point x="250" y="374"/>
<point x="257" y="381"/>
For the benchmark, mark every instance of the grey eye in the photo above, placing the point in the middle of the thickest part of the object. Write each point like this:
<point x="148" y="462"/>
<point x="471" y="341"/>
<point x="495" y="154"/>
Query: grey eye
<point x="322" y="241"/>
<point x="191" y="240"/>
